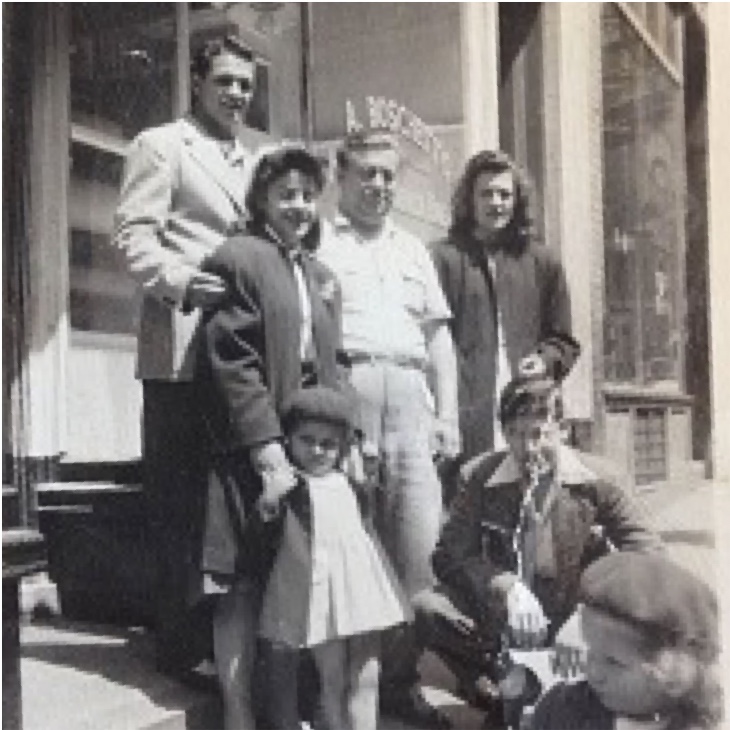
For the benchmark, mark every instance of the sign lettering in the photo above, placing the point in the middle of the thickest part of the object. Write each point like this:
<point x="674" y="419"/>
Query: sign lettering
<point x="389" y="115"/>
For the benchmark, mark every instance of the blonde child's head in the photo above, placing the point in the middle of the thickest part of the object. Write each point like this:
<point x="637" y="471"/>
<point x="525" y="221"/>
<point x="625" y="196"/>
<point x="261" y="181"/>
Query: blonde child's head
<point x="317" y="424"/>
<point x="652" y="633"/>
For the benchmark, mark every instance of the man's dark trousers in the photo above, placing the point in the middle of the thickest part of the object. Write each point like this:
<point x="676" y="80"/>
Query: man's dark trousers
<point x="174" y="488"/>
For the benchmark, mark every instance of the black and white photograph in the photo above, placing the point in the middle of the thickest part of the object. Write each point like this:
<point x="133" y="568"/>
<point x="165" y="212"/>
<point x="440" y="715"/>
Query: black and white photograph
<point x="362" y="366"/>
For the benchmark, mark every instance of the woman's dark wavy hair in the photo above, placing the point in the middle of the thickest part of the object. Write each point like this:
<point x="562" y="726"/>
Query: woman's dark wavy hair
<point x="269" y="169"/>
<point x="522" y="226"/>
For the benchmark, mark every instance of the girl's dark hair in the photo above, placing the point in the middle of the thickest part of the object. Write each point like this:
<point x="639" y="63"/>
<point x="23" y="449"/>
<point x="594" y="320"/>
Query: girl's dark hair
<point x="269" y="169"/>
<point x="521" y="229"/>
<point x="203" y="57"/>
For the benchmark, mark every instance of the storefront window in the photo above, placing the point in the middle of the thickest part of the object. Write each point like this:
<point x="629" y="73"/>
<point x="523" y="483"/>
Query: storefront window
<point x="643" y="188"/>
<point x="394" y="66"/>
<point x="521" y="117"/>
<point x="122" y="60"/>
<point x="126" y="76"/>
<point x="127" y="71"/>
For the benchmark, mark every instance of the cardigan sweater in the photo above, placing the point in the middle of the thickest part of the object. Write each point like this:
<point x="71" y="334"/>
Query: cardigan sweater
<point x="476" y="544"/>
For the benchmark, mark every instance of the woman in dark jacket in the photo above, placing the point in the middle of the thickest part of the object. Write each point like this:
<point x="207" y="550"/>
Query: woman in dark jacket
<point x="277" y="331"/>
<point x="507" y="293"/>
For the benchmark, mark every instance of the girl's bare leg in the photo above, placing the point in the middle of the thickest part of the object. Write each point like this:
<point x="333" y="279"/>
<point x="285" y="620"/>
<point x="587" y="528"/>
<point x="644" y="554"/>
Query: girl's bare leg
<point x="234" y="643"/>
<point x="363" y="673"/>
<point x="331" y="660"/>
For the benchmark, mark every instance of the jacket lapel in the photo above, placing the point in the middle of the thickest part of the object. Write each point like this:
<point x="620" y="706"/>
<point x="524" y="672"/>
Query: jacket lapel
<point x="570" y="519"/>
<point x="209" y="157"/>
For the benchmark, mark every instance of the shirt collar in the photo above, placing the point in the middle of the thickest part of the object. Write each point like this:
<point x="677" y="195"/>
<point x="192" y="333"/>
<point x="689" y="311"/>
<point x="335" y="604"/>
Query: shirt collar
<point x="570" y="469"/>
<point x="293" y="254"/>
<point x="235" y="153"/>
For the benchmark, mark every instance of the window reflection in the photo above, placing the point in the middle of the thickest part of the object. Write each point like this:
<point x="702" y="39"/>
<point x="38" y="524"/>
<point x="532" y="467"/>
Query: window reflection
<point x="643" y="183"/>
<point x="122" y="62"/>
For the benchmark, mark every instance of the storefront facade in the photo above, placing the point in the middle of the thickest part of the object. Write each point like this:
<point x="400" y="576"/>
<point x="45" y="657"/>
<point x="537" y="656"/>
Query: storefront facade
<point x="590" y="98"/>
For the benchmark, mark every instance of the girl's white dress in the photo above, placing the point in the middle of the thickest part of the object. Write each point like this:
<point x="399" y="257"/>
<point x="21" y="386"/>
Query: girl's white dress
<point x="334" y="583"/>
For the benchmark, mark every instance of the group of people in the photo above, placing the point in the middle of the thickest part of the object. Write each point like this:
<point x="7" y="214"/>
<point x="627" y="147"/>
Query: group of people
<point x="309" y="386"/>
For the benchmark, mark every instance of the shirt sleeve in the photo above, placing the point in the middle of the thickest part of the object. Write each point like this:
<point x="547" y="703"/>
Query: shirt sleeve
<point x="436" y="307"/>
<point x="624" y="522"/>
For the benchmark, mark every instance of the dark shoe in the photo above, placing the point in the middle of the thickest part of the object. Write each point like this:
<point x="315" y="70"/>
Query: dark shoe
<point x="481" y="693"/>
<point x="192" y="679"/>
<point x="413" y="708"/>
<point x="494" y="720"/>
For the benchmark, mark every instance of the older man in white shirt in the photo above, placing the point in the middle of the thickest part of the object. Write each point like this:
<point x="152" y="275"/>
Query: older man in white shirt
<point x="395" y="332"/>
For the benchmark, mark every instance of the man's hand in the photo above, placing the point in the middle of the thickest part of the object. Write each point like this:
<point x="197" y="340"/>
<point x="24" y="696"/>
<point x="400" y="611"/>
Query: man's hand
<point x="361" y="464"/>
<point x="446" y="438"/>
<point x="438" y="604"/>
<point x="569" y="659"/>
<point x="204" y="290"/>
<point x="527" y="623"/>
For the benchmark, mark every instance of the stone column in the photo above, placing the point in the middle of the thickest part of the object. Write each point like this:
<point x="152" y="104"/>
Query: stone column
<point x="37" y="231"/>
<point x="718" y="56"/>
<point x="480" y="75"/>
<point x="573" y="194"/>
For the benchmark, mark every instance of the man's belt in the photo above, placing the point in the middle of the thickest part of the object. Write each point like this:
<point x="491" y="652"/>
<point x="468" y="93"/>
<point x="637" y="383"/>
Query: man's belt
<point x="358" y="357"/>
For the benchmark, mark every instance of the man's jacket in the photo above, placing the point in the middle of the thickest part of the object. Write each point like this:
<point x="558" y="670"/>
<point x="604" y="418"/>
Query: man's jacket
<point x="180" y="199"/>
<point x="475" y="552"/>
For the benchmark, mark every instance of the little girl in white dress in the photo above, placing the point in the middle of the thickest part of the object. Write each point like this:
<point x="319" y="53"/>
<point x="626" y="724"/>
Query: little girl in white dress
<point x="331" y="588"/>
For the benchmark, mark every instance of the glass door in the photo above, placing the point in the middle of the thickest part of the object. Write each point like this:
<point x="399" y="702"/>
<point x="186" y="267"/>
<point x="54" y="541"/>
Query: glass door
<point x="395" y="67"/>
<point x="129" y="69"/>
<point x="122" y="79"/>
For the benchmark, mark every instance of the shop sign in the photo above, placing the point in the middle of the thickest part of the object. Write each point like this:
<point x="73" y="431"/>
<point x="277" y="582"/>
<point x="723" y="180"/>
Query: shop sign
<point x="388" y="114"/>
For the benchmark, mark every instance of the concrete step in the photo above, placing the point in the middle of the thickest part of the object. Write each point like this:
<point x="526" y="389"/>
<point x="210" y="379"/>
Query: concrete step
<point x="83" y="677"/>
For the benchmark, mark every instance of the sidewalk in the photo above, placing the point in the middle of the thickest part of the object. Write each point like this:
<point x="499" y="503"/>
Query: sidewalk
<point x="81" y="677"/>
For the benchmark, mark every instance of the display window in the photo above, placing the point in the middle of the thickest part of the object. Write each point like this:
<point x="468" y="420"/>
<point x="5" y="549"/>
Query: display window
<point x="644" y="182"/>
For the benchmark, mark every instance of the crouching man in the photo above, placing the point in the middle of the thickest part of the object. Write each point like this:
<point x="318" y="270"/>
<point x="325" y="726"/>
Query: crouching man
<point x="525" y="523"/>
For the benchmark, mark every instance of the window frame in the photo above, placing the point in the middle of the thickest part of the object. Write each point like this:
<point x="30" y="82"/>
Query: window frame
<point x="638" y="382"/>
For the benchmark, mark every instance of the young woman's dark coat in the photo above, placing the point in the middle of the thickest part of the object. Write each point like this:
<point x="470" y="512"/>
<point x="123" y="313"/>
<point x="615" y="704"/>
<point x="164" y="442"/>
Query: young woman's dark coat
<point x="534" y="302"/>
<point x="250" y="364"/>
